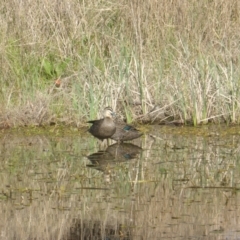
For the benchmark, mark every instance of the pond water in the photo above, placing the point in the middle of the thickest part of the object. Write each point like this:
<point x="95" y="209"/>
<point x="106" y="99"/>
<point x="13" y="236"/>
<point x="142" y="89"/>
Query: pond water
<point x="172" y="183"/>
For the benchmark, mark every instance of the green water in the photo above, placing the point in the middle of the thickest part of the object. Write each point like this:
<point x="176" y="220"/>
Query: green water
<point x="173" y="183"/>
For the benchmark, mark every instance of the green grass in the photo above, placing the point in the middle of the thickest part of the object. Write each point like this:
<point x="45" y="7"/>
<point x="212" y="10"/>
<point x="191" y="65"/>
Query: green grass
<point x="181" y="57"/>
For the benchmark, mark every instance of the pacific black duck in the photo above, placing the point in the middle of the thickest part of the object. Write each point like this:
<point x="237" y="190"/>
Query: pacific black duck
<point x="125" y="132"/>
<point x="103" y="128"/>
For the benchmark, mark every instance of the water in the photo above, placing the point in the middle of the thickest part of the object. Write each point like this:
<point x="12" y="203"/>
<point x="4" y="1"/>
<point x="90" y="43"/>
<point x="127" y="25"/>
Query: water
<point x="173" y="183"/>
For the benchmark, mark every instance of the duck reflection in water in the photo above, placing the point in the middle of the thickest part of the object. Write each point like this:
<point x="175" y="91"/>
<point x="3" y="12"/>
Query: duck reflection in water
<point x="104" y="160"/>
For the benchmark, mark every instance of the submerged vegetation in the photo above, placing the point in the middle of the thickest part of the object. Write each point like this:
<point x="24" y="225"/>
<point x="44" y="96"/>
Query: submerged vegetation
<point x="152" y="60"/>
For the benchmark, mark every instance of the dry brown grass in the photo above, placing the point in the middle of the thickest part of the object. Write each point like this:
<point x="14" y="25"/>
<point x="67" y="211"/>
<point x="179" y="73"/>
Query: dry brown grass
<point x="180" y="57"/>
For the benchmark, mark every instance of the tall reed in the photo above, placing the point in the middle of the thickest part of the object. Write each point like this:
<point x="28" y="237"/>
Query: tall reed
<point x="181" y="56"/>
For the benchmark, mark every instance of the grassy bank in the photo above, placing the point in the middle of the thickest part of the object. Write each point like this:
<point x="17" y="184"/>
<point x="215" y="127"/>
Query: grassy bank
<point x="177" y="58"/>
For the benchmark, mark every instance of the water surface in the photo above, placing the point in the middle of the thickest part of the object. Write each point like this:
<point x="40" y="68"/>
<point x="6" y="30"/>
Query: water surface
<point x="173" y="183"/>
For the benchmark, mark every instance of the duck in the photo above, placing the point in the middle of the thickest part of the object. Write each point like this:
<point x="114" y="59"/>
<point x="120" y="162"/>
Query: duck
<point x="125" y="132"/>
<point x="103" y="128"/>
